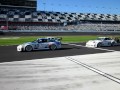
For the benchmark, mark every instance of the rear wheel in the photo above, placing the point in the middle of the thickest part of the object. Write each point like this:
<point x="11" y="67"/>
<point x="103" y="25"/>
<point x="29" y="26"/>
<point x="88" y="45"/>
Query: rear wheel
<point x="113" y="44"/>
<point x="53" y="47"/>
<point x="28" y="48"/>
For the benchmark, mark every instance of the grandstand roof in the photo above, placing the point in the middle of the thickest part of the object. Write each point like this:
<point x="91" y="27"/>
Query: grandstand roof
<point x="19" y="3"/>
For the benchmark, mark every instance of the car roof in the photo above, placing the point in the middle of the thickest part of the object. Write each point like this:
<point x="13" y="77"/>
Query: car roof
<point x="42" y="38"/>
<point x="50" y="37"/>
<point x="103" y="37"/>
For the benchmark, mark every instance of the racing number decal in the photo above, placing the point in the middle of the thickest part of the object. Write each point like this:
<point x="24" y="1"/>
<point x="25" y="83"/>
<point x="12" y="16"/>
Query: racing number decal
<point x="36" y="46"/>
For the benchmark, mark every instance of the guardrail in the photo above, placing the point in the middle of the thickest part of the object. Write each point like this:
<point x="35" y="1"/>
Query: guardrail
<point x="92" y="31"/>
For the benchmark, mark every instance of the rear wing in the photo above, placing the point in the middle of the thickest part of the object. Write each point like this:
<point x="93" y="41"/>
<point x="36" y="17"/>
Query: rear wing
<point x="59" y="38"/>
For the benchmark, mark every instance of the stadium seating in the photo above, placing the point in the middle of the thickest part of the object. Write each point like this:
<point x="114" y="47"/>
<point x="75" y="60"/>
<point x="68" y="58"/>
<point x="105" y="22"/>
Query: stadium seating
<point x="79" y="27"/>
<point x="27" y="19"/>
<point x="41" y="16"/>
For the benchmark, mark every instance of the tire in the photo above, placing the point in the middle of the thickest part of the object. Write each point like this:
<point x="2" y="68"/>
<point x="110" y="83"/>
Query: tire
<point x="28" y="48"/>
<point x="99" y="44"/>
<point x="53" y="47"/>
<point x="113" y="44"/>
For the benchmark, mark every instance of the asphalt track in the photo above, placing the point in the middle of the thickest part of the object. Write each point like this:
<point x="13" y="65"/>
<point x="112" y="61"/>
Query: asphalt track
<point x="9" y="53"/>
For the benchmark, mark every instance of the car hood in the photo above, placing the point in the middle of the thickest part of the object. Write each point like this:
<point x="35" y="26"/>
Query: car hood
<point x="94" y="41"/>
<point x="28" y="43"/>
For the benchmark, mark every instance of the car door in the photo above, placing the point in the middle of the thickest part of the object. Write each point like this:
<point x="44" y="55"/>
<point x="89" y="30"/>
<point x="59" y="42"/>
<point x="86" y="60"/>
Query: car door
<point x="36" y="46"/>
<point x="43" y="44"/>
<point x="107" y="42"/>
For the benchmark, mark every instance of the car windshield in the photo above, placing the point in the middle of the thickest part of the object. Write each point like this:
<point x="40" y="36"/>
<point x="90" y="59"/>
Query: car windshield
<point x="35" y="41"/>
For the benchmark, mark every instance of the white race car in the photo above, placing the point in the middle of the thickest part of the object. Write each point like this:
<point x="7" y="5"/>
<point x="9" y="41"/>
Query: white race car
<point x="101" y="41"/>
<point x="41" y="44"/>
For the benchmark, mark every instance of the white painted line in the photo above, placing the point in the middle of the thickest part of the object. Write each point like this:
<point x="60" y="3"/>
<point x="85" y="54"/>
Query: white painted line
<point x="60" y="73"/>
<point x="113" y="78"/>
<point x="91" y="47"/>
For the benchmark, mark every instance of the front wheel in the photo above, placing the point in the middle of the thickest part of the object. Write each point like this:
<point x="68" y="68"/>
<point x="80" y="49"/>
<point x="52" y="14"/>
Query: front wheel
<point x="53" y="47"/>
<point x="99" y="44"/>
<point x="28" y="48"/>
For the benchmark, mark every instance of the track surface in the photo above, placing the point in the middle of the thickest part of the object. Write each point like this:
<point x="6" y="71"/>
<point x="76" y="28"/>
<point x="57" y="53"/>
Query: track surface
<point x="93" y="70"/>
<point x="9" y="53"/>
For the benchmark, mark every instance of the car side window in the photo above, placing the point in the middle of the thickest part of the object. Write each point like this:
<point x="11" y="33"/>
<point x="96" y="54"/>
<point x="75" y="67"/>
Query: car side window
<point x="52" y="40"/>
<point x="44" y="40"/>
<point x="107" y="39"/>
<point x="39" y="41"/>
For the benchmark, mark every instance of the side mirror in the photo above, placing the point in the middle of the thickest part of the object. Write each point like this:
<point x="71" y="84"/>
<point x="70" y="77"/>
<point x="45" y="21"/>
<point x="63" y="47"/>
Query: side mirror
<point x="39" y="41"/>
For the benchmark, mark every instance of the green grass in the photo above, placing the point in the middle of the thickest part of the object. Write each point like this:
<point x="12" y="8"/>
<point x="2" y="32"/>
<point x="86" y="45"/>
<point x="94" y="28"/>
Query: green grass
<point x="77" y="38"/>
<point x="15" y="41"/>
<point x="19" y="40"/>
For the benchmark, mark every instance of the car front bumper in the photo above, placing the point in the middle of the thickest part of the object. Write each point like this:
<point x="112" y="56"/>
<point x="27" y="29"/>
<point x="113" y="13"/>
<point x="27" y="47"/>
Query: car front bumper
<point x="91" y="45"/>
<point x="19" y="48"/>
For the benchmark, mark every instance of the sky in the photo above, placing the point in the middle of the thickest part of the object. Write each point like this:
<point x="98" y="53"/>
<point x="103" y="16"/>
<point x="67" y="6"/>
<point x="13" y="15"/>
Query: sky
<point x="80" y="6"/>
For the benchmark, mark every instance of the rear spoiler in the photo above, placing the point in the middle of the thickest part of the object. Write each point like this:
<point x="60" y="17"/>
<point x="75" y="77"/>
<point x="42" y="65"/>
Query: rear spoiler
<point x="59" y="38"/>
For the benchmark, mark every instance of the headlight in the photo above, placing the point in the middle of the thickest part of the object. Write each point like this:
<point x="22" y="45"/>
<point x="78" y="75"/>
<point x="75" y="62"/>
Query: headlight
<point x="19" y="48"/>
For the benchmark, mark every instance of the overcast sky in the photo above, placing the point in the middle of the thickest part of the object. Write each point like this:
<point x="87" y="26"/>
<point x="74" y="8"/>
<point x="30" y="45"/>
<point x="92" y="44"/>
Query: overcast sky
<point x="80" y="6"/>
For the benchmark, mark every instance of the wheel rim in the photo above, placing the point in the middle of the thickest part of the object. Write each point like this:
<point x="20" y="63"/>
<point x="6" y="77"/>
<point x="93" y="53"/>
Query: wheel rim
<point x="112" y="44"/>
<point x="99" y="45"/>
<point x="53" y="47"/>
<point x="28" y="48"/>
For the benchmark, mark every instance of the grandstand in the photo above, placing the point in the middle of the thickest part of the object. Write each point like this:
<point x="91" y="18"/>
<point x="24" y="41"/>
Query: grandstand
<point x="22" y="15"/>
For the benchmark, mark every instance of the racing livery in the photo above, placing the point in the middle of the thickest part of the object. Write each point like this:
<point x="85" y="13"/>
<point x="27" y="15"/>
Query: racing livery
<point x="101" y="41"/>
<point x="40" y="44"/>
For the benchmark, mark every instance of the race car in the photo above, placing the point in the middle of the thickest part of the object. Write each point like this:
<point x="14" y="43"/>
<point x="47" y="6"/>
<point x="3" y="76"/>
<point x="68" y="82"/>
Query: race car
<point x="101" y="41"/>
<point x="40" y="44"/>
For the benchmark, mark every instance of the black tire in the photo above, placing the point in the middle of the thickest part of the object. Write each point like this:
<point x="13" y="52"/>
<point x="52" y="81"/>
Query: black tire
<point x="28" y="48"/>
<point x="113" y="44"/>
<point x="99" y="44"/>
<point x="53" y="47"/>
